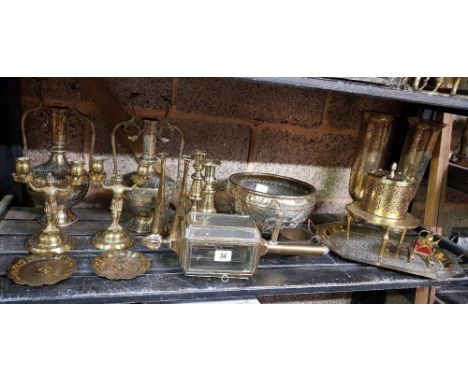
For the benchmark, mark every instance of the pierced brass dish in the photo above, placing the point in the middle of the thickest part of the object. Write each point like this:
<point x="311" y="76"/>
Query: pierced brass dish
<point x="266" y="196"/>
<point x="364" y="246"/>
<point x="121" y="265"/>
<point x="43" y="269"/>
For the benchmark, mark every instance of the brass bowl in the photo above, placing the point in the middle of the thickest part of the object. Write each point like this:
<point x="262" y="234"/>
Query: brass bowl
<point x="265" y="196"/>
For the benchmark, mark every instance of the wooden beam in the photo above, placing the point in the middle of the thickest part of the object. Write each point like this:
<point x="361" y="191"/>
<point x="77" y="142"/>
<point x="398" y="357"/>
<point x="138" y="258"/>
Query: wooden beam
<point x="110" y="108"/>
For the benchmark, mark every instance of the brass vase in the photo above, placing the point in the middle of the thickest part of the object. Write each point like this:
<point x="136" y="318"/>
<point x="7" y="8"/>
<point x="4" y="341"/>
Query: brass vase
<point x="417" y="150"/>
<point x="58" y="118"/>
<point x="142" y="199"/>
<point x="371" y="149"/>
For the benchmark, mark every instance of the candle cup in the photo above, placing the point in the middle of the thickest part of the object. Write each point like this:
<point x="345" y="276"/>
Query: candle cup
<point x="23" y="166"/>
<point x="97" y="166"/>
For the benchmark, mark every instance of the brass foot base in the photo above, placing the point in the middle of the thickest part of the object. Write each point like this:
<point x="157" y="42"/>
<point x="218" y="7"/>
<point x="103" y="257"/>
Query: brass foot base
<point x="65" y="217"/>
<point x="121" y="265"/>
<point x="49" y="242"/>
<point x="113" y="239"/>
<point x="140" y="224"/>
<point x="45" y="269"/>
<point x="153" y="241"/>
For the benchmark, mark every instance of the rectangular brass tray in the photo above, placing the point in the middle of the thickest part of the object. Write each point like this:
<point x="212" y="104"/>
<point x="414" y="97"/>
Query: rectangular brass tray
<point x="364" y="245"/>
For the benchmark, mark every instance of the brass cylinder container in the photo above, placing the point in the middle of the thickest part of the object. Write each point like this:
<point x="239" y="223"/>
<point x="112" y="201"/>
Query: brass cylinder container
<point x="417" y="151"/>
<point x="371" y="149"/>
<point x="387" y="194"/>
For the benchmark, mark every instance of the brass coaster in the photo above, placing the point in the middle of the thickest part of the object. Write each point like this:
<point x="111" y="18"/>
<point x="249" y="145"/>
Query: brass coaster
<point x="121" y="265"/>
<point x="43" y="269"/>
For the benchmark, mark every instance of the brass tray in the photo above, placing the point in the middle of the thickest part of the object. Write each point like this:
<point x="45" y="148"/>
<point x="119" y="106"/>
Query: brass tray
<point x="121" y="265"/>
<point x="364" y="245"/>
<point x="43" y="269"/>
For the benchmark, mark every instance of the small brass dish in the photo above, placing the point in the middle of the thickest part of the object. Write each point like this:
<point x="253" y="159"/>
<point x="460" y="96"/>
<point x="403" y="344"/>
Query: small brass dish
<point x="121" y="265"/>
<point x="43" y="269"/>
<point x="266" y="196"/>
<point x="295" y="234"/>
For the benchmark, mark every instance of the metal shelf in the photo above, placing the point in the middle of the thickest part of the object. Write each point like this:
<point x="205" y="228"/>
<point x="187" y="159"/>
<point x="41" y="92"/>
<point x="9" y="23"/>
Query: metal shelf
<point x="455" y="104"/>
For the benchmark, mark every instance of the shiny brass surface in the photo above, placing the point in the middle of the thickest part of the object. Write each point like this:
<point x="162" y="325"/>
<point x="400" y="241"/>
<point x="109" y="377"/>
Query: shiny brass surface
<point x="41" y="269"/>
<point x="295" y="235"/>
<point x="387" y="194"/>
<point x="142" y="199"/>
<point x="264" y="196"/>
<point x="58" y="118"/>
<point x="159" y="224"/>
<point x="207" y="203"/>
<point x="195" y="194"/>
<point x="50" y="239"/>
<point x="364" y="245"/>
<point x="181" y="209"/>
<point x="115" y="236"/>
<point x="371" y="149"/>
<point x="417" y="150"/>
<point x="121" y="265"/>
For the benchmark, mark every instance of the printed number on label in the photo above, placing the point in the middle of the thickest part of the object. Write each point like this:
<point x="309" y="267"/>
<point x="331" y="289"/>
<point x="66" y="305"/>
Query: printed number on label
<point x="221" y="255"/>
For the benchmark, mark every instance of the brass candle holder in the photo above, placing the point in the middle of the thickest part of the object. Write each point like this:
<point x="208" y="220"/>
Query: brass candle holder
<point x="207" y="203"/>
<point x="115" y="236"/>
<point x="195" y="194"/>
<point x="48" y="263"/>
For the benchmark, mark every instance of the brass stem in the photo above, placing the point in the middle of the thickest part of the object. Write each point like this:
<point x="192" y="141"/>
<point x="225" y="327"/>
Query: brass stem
<point x="159" y="224"/>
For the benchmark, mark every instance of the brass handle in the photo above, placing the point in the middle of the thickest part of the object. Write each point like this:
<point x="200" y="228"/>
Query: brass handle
<point x="125" y="124"/>
<point x="295" y="249"/>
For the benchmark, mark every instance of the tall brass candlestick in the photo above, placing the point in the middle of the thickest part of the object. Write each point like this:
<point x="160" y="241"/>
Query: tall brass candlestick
<point x="181" y="205"/>
<point x="207" y="203"/>
<point x="195" y="194"/>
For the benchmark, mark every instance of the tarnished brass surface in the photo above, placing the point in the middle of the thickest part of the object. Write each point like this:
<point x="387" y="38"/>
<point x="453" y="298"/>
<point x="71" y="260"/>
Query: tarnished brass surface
<point x="50" y="239"/>
<point x="264" y="196"/>
<point x="387" y="194"/>
<point x="364" y="245"/>
<point x="115" y="236"/>
<point x="195" y="193"/>
<point x="371" y="149"/>
<point x="159" y="223"/>
<point x="207" y="203"/>
<point x="417" y="151"/>
<point x="44" y="269"/>
<point x="58" y="118"/>
<point x="121" y="265"/>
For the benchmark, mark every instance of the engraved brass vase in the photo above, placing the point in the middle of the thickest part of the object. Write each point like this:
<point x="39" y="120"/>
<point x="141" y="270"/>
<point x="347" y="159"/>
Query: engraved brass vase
<point x="417" y="151"/>
<point x="371" y="149"/>
<point x="266" y="196"/>
<point x="58" y="118"/>
<point x="142" y="199"/>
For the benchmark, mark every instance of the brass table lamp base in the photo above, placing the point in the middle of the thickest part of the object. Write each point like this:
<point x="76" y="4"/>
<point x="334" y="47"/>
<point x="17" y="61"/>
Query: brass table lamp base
<point x="121" y="265"/>
<point x="109" y="239"/>
<point x="49" y="242"/>
<point x="45" y="269"/>
<point x="65" y="217"/>
<point x="140" y="224"/>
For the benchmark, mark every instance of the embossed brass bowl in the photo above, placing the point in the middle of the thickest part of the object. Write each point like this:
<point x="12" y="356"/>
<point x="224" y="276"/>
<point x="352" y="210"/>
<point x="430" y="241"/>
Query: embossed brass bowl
<point x="44" y="269"/>
<point x="266" y="196"/>
<point x="121" y="265"/>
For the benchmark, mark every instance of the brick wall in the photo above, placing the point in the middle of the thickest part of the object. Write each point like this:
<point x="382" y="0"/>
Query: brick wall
<point x="304" y="133"/>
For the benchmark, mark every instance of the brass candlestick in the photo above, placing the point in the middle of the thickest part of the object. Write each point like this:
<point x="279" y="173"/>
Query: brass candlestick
<point x="50" y="240"/>
<point x="48" y="263"/>
<point x="207" y="202"/>
<point x="195" y="194"/>
<point x="115" y="236"/>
